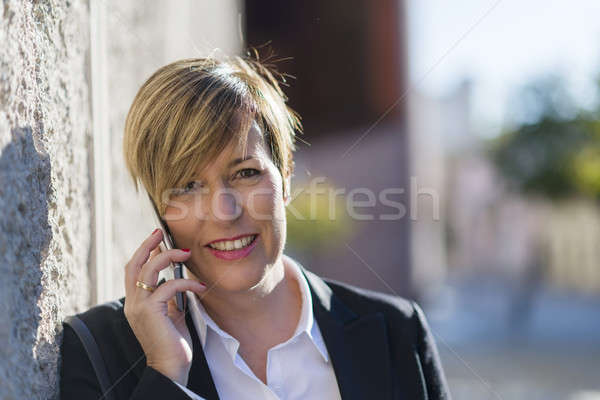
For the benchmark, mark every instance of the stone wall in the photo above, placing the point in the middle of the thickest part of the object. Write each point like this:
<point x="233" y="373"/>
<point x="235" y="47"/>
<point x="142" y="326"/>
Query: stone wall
<point x="47" y="237"/>
<point x="45" y="217"/>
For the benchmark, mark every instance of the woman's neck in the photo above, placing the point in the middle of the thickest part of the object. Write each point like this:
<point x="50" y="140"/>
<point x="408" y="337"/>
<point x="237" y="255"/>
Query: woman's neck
<point x="269" y="313"/>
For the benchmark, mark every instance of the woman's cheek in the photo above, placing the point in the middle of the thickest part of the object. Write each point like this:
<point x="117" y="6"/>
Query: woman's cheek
<point x="260" y="200"/>
<point x="264" y="207"/>
<point x="184" y="233"/>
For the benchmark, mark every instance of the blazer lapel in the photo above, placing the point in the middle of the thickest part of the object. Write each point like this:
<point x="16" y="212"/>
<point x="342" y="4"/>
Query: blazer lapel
<point x="200" y="379"/>
<point x="357" y="345"/>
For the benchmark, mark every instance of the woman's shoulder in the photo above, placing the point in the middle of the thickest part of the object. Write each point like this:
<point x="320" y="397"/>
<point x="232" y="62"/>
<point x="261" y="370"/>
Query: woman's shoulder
<point x="366" y="301"/>
<point x="106" y="323"/>
<point x="406" y="325"/>
<point x="107" y="334"/>
<point x="109" y="329"/>
<point x="403" y="316"/>
<point x="103" y="314"/>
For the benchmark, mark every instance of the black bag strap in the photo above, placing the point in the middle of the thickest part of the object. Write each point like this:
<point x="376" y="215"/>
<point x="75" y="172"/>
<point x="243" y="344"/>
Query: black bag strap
<point x="91" y="347"/>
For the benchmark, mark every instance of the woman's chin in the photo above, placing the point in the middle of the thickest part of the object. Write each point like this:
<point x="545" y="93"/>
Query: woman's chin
<point x="232" y="278"/>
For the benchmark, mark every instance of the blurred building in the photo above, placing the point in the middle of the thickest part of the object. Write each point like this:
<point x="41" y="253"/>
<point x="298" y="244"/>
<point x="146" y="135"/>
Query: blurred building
<point x="484" y="228"/>
<point x="437" y="127"/>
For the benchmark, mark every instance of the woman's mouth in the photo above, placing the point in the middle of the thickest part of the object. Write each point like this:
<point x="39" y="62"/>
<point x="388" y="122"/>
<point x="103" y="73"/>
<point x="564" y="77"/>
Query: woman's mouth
<point x="233" y="249"/>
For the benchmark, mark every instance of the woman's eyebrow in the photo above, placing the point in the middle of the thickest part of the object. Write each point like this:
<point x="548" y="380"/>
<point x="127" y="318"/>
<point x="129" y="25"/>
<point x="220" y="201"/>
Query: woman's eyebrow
<point x="233" y="163"/>
<point x="237" y="161"/>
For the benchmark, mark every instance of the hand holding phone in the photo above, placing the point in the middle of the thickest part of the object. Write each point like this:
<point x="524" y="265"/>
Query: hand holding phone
<point x="152" y="313"/>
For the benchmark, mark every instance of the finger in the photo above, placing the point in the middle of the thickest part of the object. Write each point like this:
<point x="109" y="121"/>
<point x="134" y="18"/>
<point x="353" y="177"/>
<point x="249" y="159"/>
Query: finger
<point x="172" y="309"/>
<point x="141" y="255"/>
<point x="157" y="250"/>
<point x="150" y="270"/>
<point x="167" y="290"/>
<point x="154" y="252"/>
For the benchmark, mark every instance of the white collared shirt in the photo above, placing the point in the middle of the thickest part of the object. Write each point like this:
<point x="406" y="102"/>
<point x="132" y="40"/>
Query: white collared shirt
<point x="298" y="368"/>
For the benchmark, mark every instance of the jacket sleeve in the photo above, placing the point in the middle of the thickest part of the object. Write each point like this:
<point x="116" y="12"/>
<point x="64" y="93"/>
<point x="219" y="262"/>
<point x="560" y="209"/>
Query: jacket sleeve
<point x="78" y="380"/>
<point x="437" y="387"/>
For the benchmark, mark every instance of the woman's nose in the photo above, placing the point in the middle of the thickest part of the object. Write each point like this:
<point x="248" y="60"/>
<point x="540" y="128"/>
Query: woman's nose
<point x="226" y="204"/>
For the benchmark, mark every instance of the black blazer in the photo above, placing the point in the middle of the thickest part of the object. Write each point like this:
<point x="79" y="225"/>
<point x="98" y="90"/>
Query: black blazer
<point x="380" y="345"/>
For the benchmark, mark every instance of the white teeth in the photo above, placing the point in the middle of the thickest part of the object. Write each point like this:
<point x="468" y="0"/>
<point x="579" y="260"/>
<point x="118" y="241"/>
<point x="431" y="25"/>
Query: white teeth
<point x="235" y="244"/>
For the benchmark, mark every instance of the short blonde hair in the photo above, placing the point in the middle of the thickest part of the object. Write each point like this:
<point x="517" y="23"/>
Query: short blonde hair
<point x="182" y="118"/>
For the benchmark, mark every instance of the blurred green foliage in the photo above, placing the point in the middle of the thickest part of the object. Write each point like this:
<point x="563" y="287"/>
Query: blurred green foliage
<point x="554" y="150"/>
<point x="312" y="220"/>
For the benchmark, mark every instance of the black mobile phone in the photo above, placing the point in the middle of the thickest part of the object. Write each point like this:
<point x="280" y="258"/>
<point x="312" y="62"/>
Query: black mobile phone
<point x="175" y="270"/>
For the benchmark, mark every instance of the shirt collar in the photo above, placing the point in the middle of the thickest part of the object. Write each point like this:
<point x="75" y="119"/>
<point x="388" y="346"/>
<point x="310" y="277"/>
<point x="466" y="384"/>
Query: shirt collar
<point x="306" y="324"/>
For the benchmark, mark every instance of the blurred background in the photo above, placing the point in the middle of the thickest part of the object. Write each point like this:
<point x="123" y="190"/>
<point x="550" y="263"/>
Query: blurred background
<point x="467" y="133"/>
<point x="486" y="113"/>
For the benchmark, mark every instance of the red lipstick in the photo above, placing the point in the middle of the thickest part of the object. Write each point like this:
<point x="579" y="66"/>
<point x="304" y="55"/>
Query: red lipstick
<point x="233" y="254"/>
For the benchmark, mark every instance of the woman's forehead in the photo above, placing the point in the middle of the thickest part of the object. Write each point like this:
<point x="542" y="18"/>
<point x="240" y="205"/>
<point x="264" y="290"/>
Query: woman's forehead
<point x="254" y="147"/>
<point x="255" y="144"/>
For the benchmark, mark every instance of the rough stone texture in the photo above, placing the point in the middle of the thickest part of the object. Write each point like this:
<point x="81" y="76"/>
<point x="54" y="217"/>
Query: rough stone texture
<point x="46" y="160"/>
<point x="44" y="187"/>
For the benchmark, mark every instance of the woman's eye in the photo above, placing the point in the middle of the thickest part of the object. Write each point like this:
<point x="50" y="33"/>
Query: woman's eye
<point x="248" y="172"/>
<point x="191" y="186"/>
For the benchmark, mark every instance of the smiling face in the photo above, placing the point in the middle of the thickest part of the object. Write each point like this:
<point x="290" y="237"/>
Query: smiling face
<point x="238" y="194"/>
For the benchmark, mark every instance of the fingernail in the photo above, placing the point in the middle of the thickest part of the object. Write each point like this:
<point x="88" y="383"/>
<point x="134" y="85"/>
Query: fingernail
<point x="203" y="284"/>
<point x="186" y="250"/>
<point x="156" y="230"/>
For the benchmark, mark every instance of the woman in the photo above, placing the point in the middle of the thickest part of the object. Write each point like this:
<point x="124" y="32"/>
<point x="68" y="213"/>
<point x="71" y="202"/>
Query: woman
<point x="212" y="141"/>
